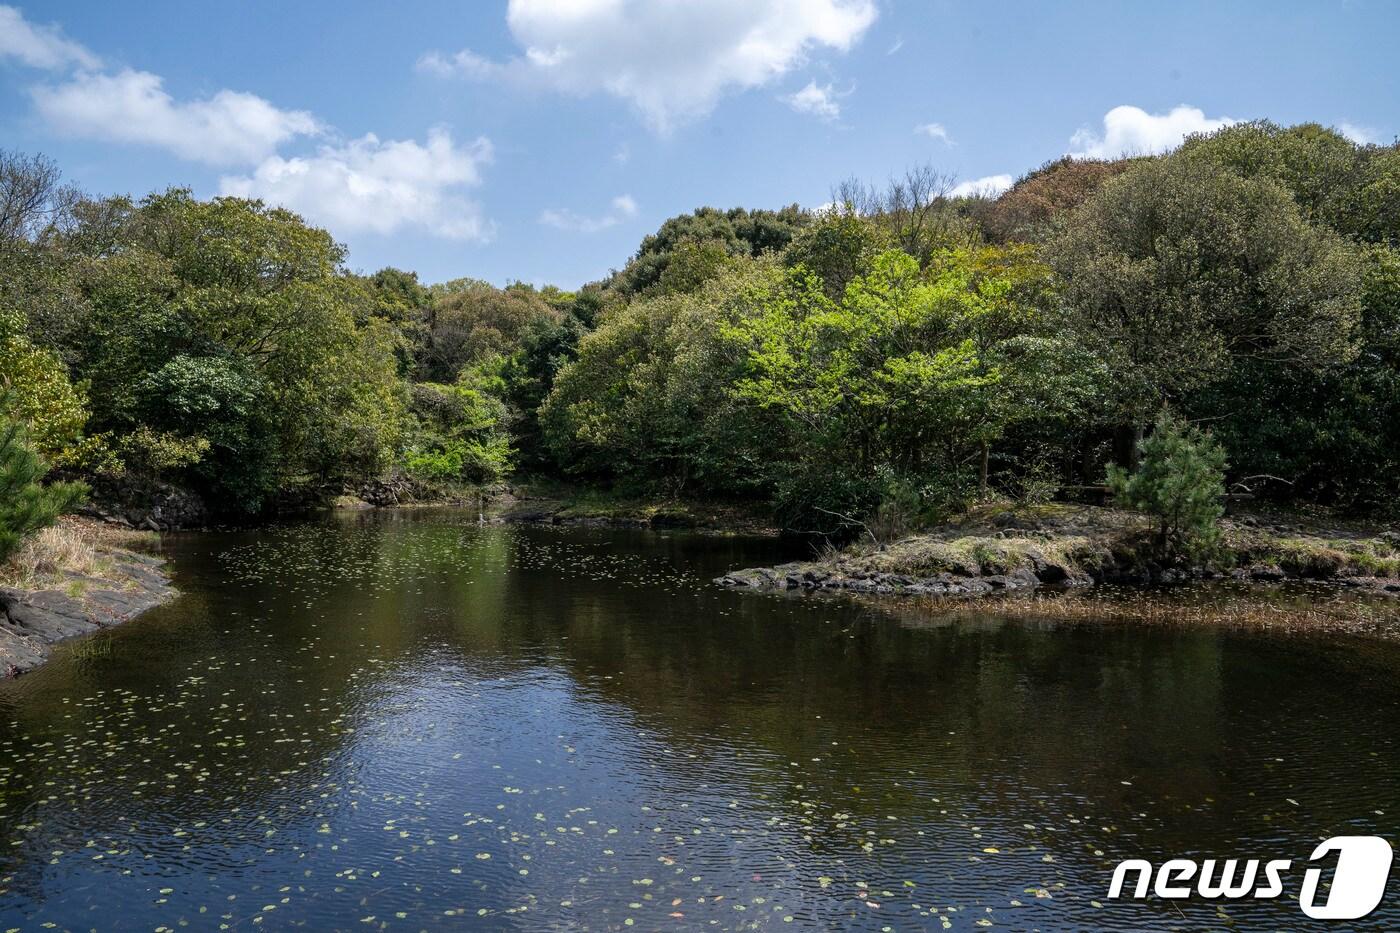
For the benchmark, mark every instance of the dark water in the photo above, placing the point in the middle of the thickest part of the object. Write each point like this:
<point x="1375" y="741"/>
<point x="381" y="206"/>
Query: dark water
<point x="408" y="722"/>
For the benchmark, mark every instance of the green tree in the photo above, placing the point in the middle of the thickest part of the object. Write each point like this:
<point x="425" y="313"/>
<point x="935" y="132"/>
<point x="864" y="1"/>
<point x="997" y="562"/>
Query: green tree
<point x="838" y="246"/>
<point x="648" y="398"/>
<point x="470" y="320"/>
<point x="911" y="375"/>
<point x="737" y="233"/>
<point x="40" y="394"/>
<point x="26" y="506"/>
<point x="462" y="432"/>
<point x="231" y="329"/>
<point x="1323" y="170"/>
<point x="1179" y="268"/>
<point x="1180" y="483"/>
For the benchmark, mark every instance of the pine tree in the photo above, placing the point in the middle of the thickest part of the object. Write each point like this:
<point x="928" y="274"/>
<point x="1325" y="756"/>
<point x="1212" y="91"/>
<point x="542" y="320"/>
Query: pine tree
<point x="26" y="506"/>
<point x="1180" y="482"/>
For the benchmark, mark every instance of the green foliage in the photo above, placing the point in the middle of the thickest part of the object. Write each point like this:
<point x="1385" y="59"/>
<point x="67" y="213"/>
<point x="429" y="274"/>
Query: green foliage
<point x="153" y="453"/>
<point x="462" y="433"/>
<point x="470" y="320"/>
<point x="837" y="247"/>
<point x="1322" y="169"/>
<point x="26" y="506"/>
<point x="918" y="374"/>
<point x="1180" y="482"/>
<point x="1179" y="268"/>
<point x="231" y="327"/>
<point x="52" y="409"/>
<point x="648" y="397"/>
<point x="700" y="238"/>
<point x="546" y="347"/>
<point x="884" y="360"/>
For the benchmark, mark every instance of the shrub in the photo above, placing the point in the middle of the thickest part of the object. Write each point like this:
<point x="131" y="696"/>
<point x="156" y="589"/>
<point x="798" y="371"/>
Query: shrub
<point x="1180" y="482"/>
<point x="25" y="505"/>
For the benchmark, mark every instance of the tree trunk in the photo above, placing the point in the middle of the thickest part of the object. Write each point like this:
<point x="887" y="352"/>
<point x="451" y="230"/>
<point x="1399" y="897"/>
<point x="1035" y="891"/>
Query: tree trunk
<point x="982" y="465"/>
<point x="1126" y="439"/>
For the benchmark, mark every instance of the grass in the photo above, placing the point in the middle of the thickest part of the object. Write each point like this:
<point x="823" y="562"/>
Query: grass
<point x="72" y="547"/>
<point x="1315" y="556"/>
<point x="999" y="537"/>
<point x="1216" y="605"/>
<point x="973" y="544"/>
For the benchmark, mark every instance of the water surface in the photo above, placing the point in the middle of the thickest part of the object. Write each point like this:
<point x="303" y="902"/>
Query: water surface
<point x="405" y="721"/>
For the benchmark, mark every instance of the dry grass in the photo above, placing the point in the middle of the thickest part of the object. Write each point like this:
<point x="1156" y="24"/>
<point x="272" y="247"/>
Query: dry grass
<point x="998" y="538"/>
<point x="70" y="547"/>
<point x="1242" y="607"/>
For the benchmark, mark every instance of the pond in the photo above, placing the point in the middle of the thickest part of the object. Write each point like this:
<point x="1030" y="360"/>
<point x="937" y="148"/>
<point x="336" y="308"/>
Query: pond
<point x="406" y="721"/>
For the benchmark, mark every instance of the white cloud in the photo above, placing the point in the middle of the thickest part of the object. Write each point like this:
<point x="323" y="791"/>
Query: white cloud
<point x="40" y="46"/>
<point x="623" y="208"/>
<point x="817" y="100"/>
<point x="369" y="185"/>
<point x="1134" y="131"/>
<point x="466" y="64"/>
<point x="230" y="128"/>
<point x="1361" y="135"/>
<point x="672" y="61"/>
<point x="934" y="131"/>
<point x="988" y="186"/>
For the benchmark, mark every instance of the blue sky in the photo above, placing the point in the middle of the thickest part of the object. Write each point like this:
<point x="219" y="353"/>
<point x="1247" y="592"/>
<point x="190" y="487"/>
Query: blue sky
<point x="539" y="140"/>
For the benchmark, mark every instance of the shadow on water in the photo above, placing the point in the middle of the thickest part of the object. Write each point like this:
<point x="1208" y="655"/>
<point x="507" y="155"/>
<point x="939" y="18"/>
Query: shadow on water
<point x="408" y="721"/>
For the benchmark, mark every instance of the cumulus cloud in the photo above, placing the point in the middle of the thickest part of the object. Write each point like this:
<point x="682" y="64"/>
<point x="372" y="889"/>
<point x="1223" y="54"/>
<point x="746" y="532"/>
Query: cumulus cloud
<point x="623" y="208"/>
<point x="818" y="100"/>
<point x="1134" y="131"/>
<point x="671" y="61"/>
<point x="988" y="186"/>
<point x="230" y="128"/>
<point x="40" y="46"/>
<point x="934" y="131"/>
<point x="378" y="186"/>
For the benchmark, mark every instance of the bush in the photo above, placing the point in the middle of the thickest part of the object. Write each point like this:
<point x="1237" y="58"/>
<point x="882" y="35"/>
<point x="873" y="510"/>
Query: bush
<point x="1180" y="482"/>
<point x="462" y="429"/>
<point x="473" y="461"/>
<point x="25" y="505"/>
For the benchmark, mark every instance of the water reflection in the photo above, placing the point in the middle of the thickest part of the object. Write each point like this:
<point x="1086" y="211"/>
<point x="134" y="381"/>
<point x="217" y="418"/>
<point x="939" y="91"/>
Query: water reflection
<point x="407" y="721"/>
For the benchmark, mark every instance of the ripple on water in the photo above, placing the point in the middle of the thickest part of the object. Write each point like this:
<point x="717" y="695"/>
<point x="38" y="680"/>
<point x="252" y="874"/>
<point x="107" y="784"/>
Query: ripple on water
<point x="412" y="722"/>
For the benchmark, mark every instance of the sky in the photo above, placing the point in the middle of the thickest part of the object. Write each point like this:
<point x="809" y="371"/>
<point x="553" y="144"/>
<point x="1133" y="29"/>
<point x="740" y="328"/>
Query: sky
<point x="540" y="140"/>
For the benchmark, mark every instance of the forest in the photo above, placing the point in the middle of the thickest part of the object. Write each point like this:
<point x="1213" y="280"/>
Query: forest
<point x="886" y="358"/>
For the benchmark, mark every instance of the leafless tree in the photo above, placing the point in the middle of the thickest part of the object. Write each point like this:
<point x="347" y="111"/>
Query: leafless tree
<point x="33" y="198"/>
<point x="916" y="208"/>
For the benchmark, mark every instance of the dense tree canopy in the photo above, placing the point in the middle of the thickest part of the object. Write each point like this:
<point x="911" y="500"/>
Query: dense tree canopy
<point x="883" y="358"/>
<point x="1028" y="211"/>
<point x="1179" y="268"/>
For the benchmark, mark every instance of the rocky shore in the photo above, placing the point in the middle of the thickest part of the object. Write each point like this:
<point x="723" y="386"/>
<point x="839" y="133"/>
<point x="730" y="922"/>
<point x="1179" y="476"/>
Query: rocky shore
<point x="998" y="550"/>
<point x="114" y="586"/>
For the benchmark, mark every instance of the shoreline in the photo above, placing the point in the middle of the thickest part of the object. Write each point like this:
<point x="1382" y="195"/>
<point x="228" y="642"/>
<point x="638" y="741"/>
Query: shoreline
<point x="997" y="551"/>
<point x="114" y="585"/>
<point x="534" y="503"/>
